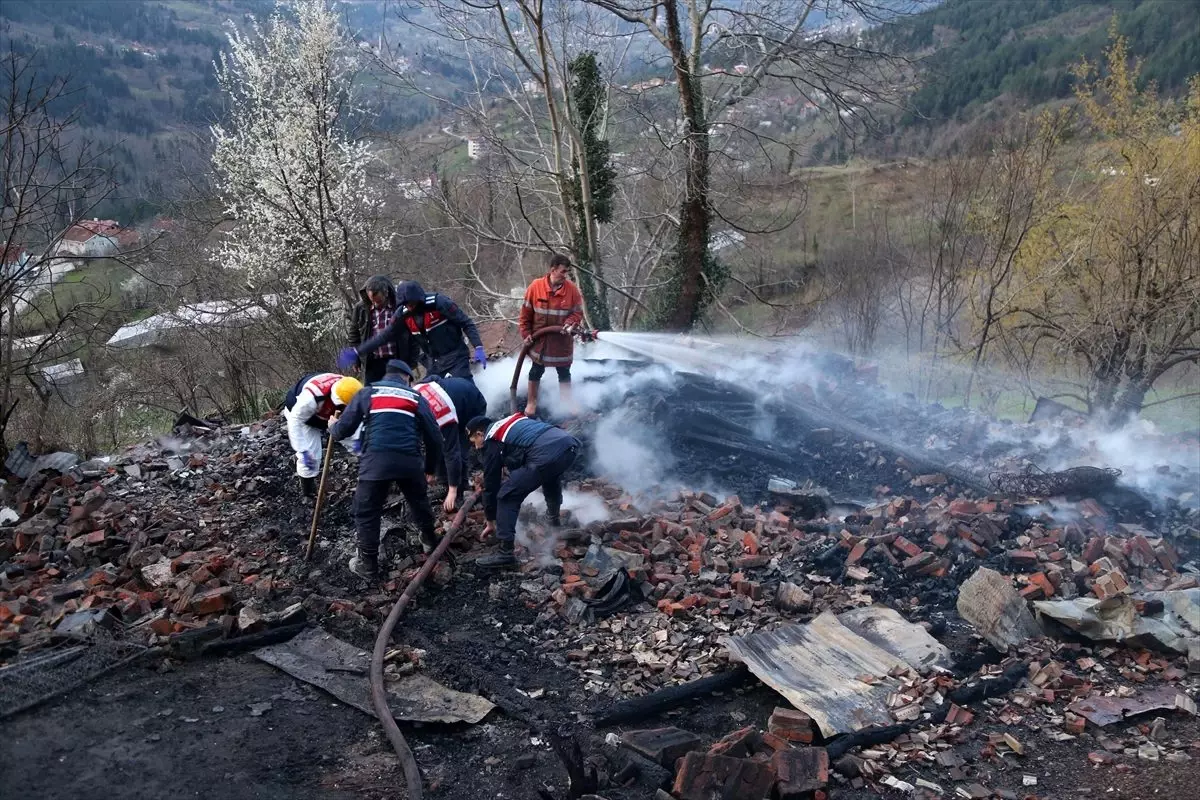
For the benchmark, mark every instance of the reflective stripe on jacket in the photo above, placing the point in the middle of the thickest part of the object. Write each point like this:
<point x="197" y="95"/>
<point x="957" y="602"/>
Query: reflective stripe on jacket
<point x="439" y="402"/>
<point x="545" y="306"/>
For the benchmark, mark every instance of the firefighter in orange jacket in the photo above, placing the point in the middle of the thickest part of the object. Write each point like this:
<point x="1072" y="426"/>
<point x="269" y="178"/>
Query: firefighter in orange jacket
<point x="551" y="300"/>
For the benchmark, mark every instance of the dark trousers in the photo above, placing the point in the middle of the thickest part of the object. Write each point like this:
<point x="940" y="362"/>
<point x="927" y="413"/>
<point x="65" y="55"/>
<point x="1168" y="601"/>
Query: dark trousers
<point x="523" y="482"/>
<point x="369" y="499"/>
<point x="538" y="370"/>
<point x="374" y="369"/>
<point x="464" y="463"/>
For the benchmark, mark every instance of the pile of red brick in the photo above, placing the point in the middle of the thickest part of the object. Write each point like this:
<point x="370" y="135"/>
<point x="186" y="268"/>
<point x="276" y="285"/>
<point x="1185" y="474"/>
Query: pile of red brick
<point x="151" y="543"/>
<point x="748" y="764"/>
<point x="707" y="568"/>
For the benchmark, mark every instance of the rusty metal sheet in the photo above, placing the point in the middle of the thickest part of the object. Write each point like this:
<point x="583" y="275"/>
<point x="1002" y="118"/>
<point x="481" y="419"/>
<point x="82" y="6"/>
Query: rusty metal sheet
<point x="341" y="669"/>
<point x="1100" y="710"/>
<point x="886" y="629"/>
<point x="817" y="668"/>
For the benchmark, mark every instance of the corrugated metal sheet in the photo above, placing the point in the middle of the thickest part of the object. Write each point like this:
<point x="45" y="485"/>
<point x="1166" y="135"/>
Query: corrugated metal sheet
<point x="817" y="666"/>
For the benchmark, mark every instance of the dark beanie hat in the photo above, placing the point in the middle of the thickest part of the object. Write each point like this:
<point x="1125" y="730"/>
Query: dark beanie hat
<point x="479" y="424"/>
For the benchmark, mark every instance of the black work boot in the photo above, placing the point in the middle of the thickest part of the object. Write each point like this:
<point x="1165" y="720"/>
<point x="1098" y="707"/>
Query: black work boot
<point x="500" y="559"/>
<point x="309" y="487"/>
<point x="555" y="517"/>
<point x="365" y="566"/>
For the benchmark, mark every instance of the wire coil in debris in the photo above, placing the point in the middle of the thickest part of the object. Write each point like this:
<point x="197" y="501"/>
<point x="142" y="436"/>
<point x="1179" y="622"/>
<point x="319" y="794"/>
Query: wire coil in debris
<point x="1034" y="482"/>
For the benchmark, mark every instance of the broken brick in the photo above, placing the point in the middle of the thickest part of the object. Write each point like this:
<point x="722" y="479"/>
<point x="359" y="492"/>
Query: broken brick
<point x="963" y="508"/>
<point x="919" y="562"/>
<point x="742" y="743"/>
<point x="703" y="776"/>
<point x="959" y="716"/>
<point x="1110" y="585"/>
<point x="790" y="724"/>
<point x="662" y="745"/>
<point x="1023" y="558"/>
<point x="1041" y="580"/>
<point x="800" y="771"/>
<point x="213" y="600"/>
<point x="751" y="589"/>
<point x="908" y="548"/>
<point x="752" y="562"/>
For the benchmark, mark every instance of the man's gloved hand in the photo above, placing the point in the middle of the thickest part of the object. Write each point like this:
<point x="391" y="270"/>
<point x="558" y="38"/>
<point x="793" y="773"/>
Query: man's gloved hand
<point x="481" y="356"/>
<point x="347" y="358"/>
<point x="308" y="460"/>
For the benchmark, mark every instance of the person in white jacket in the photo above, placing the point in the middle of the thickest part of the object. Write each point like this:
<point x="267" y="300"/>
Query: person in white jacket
<point x="307" y="409"/>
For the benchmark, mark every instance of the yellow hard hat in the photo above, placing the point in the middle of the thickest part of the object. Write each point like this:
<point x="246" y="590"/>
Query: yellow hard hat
<point x="344" y="390"/>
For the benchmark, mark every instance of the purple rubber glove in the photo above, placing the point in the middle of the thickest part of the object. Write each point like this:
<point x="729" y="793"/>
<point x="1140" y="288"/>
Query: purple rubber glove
<point x="308" y="460"/>
<point x="347" y="358"/>
<point x="481" y="356"/>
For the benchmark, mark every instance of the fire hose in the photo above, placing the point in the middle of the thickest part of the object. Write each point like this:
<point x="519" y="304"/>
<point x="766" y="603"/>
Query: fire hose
<point x="584" y="335"/>
<point x="412" y="774"/>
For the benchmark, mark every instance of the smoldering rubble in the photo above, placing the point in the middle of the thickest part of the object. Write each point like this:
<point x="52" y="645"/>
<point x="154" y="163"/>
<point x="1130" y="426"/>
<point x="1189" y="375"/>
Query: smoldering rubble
<point x="925" y="632"/>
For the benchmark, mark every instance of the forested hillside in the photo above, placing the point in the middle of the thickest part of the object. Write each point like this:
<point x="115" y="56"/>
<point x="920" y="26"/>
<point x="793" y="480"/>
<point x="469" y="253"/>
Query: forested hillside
<point x="980" y="49"/>
<point x="144" y="87"/>
<point x="142" y="80"/>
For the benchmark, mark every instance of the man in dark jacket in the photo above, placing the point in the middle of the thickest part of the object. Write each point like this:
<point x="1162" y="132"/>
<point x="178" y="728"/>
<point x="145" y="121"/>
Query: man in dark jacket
<point x="536" y="454"/>
<point x="397" y="421"/>
<point x="372" y="316"/>
<point x="437" y="324"/>
<point x="453" y="401"/>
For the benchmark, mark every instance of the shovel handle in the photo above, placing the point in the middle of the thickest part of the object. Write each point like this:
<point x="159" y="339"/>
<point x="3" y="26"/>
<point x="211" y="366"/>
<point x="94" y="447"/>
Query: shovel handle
<point x="312" y="533"/>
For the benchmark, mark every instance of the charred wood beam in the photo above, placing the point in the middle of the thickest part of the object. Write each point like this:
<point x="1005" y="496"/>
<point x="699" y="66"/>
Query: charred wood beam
<point x="972" y="693"/>
<point x="741" y="448"/>
<point x="638" y="708"/>
<point x="707" y="420"/>
<point x="253" y="641"/>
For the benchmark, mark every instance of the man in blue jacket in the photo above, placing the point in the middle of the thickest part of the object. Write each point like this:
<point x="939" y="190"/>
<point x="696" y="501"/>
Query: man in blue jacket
<point x="536" y="455"/>
<point x="396" y="423"/>
<point x="437" y="324"/>
<point x="453" y="401"/>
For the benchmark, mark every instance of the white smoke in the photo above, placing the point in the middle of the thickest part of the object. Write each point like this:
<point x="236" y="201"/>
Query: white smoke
<point x="626" y="451"/>
<point x="585" y="507"/>
<point x="632" y="454"/>
<point x="538" y="538"/>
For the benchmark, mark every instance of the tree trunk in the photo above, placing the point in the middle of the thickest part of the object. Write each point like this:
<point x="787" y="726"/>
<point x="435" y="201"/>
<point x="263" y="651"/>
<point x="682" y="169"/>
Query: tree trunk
<point x="694" y="212"/>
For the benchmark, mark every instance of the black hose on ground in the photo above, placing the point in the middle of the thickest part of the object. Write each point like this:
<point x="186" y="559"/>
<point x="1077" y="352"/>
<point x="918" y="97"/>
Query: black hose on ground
<point x="412" y="774"/>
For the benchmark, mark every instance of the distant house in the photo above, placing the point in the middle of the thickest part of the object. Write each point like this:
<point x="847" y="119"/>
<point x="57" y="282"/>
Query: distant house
<point x="14" y="260"/>
<point x="415" y="190"/>
<point x="476" y="148"/>
<point x="161" y="225"/>
<point x="128" y="238"/>
<point x="653" y="83"/>
<point x="96" y="237"/>
<point x="64" y="373"/>
<point x="208" y="314"/>
<point x="725" y="239"/>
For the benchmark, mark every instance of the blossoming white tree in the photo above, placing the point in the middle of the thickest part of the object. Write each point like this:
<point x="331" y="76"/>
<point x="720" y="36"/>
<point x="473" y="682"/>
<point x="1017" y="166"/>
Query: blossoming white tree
<point x="287" y="168"/>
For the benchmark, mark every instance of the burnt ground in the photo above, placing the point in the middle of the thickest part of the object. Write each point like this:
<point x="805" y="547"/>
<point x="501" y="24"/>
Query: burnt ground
<point x="142" y="732"/>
